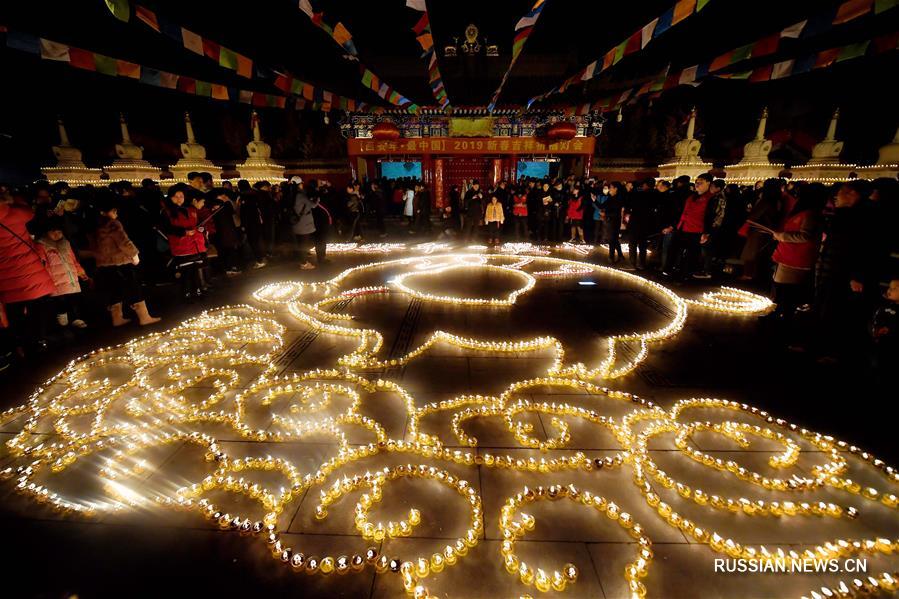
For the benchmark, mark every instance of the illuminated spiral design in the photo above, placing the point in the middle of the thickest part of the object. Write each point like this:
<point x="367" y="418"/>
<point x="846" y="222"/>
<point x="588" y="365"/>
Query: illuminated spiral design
<point x="111" y="408"/>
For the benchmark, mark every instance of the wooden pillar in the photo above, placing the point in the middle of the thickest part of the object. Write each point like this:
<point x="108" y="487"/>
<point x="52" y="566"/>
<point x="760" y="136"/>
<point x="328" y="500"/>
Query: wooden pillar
<point x="497" y="172"/>
<point x="512" y="168"/>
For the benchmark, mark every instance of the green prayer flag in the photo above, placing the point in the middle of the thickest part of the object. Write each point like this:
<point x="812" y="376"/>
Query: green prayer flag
<point x="741" y="53"/>
<point x="227" y="58"/>
<point x="204" y="88"/>
<point x="120" y="9"/>
<point x="296" y="87"/>
<point x="366" y="78"/>
<point x="700" y="4"/>
<point x="619" y="52"/>
<point x="853" y="51"/>
<point x="106" y="65"/>
<point x="884" y="5"/>
<point x="743" y="75"/>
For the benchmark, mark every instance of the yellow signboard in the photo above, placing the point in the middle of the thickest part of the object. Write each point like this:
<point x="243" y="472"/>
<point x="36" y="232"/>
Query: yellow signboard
<point x="471" y="127"/>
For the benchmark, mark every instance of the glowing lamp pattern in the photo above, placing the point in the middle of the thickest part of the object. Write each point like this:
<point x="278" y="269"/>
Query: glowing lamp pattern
<point x="110" y="407"/>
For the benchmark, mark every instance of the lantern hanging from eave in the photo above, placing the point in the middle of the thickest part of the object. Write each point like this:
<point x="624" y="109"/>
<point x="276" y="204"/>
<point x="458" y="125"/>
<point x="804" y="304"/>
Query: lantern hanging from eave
<point x="561" y="130"/>
<point x="385" y="130"/>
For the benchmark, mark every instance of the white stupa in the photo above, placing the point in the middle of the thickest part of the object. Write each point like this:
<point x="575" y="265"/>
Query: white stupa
<point x="130" y="164"/>
<point x="257" y="166"/>
<point x="755" y="165"/>
<point x="69" y="167"/>
<point x="887" y="162"/>
<point x="194" y="158"/>
<point x="686" y="159"/>
<point x="825" y="165"/>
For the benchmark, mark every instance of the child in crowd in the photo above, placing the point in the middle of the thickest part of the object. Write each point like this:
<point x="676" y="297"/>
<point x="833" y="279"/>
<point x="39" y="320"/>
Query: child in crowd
<point x="494" y="219"/>
<point x="117" y="274"/>
<point x="186" y="241"/>
<point x="65" y="271"/>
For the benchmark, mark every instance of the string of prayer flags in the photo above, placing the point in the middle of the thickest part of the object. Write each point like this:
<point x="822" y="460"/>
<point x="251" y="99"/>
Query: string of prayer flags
<point x="423" y="35"/>
<point x="523" y="30"/>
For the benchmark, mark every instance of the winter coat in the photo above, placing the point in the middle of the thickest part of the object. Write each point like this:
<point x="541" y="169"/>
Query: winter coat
<point x="114" y="248"/>
<point x="845" y="250"/>
<point x="23" y="275"/>
<point x="409" y="206"/>
<point x="693" y="218"/>
<point x="226" y="231"/>
<point x="494" y="213"/>
<point x="520" y="208"/>
<point x="474" y="204"/>
<point x="181" y="242"/>
<point x="643" y="207"/>
<point x="63" y="266"/>
<point x="303" y="206"/>
<point x="575" y="209"/>
<point x="798" y="246"/>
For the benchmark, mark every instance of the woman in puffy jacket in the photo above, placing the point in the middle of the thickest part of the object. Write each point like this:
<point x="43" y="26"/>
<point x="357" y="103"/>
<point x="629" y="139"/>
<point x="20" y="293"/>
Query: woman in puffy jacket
<point x="24" y="279"/>
<point x="186" y="241"/>
<point x="797" y="248"/>
<point x="117" y="274"/>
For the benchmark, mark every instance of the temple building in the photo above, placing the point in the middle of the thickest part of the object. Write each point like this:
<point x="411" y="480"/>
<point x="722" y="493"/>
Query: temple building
<point x="686" y="159"/>
<point x="257" y="166"/>
<point x="755" y="165"/>
<point x="130" y="164"/>
<point x="69" y="167"/>
<point x="194" y="158"/>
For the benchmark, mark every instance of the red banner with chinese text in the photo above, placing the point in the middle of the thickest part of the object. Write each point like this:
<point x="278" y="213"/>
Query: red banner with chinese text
<point x="470" y="145"/>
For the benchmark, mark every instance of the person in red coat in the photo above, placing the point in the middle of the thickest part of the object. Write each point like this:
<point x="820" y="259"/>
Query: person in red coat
<point x="186" y="242"/>
<point x="692" y="229"/>
<point x="575" y="215"/>
<point x="797" y="249"/>
<point x="520" y="214"/>
<point x="25" y="282"/>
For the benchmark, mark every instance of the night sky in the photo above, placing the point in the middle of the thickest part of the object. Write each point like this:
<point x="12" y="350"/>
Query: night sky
<point x="569" y="35"/>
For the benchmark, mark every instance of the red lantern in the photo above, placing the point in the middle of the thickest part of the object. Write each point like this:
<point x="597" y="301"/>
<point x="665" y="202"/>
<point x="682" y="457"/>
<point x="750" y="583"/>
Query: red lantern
<point x="385" y="130"/>
<point x="561" y="130"/>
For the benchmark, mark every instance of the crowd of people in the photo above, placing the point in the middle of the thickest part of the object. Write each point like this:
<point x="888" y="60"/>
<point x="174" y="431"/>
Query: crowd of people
<point x="824" y="251"/>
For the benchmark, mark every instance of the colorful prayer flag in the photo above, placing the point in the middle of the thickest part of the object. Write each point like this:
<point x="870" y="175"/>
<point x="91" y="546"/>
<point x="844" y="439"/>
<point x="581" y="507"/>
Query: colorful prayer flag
<point x="54" y="51"/>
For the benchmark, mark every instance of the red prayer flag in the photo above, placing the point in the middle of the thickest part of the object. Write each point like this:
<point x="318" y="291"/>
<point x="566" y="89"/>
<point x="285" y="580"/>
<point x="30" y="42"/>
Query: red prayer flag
<point x="259" y="99"/>
<point x="283" y="83"/>
<point x="633" y="42"/>
<point x="211" y="49"/>
<point x="722" y="61"/>
<point x="825" y="58"/>
<point x="147" y="16"/>
<point x="852" y="9"/>
<point x="187" y="85"/>
<point x="421" y="25"/>
<point x="244" y="66"/>
<point x="766" y="46"/>
<point x="762" y="73"/>
<point x="128" y="69"/>
<point x="883" y="43"/>
<point x="82" y="59"/>
<point x="219" y="92"/>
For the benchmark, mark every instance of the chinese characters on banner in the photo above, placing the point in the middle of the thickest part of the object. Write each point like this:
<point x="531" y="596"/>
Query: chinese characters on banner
<point x="470" y="145"/>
